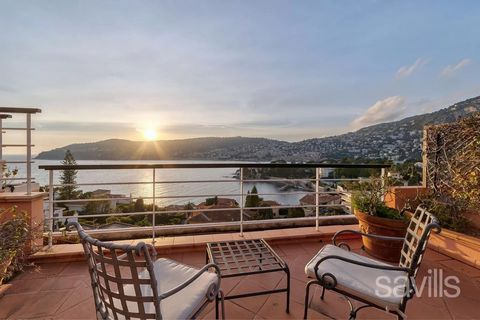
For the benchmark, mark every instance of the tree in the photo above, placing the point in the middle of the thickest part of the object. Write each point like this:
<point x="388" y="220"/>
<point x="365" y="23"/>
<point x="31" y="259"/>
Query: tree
<point x="295" y="213"/>
<point x="97" y="207"/>
<point x="410" y="172"/>
<point x="144" y="223"/>
<point x="263" y="214"/>
<point x="139" y="205"/>
<point x="189" y="206"/>
<point x="112" y="219"/>
<point x="211" y="201"/>
<point x="252" y="199"/>
<point x="68" y="179"/>
<point x="358" y="172"/>
<point x="127" y="219"/>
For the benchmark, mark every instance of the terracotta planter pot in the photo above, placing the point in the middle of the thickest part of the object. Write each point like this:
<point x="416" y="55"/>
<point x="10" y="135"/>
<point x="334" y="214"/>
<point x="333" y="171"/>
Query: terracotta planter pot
<point x="382" y="249"/>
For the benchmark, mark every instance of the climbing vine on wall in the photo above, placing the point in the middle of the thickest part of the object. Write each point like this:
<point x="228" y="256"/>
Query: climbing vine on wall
<point x="452" y="159"/>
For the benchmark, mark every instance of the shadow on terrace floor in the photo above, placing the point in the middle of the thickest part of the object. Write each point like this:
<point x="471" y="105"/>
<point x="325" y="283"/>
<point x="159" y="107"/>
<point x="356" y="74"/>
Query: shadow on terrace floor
<point x="62" y="291"/>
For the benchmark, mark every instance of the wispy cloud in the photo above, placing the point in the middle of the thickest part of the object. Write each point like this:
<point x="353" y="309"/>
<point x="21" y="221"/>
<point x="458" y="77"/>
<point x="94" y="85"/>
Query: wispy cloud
<point x="80" y="126"/>
<point x="387" y="109"/>
<point x="407" y="71"/>
<point x="7" y="89"/>
<point x="452" y="69"/>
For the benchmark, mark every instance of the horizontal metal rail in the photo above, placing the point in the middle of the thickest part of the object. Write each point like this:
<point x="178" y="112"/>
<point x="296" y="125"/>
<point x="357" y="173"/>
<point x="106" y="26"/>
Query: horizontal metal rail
<point x="18" y="129"/>
<point x="16" y="179"/>
<point x="209" y="165"/>
<point x="204" y="225"/>
<point x="81" y="200"/>
<point x="200" y="181"/>
<point x="17" y="145"/>
<point x="234" y="209"/>
<point x="18" y="161"/>
<point x="101" y="184"/>
<point x="19" y="110"/>
<point x="142" y="182"/>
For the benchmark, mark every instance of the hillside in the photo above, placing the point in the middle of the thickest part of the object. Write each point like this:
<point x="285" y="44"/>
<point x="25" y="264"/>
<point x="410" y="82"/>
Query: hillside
<point x="238" y="148"/>
<point x="397" y="140"/>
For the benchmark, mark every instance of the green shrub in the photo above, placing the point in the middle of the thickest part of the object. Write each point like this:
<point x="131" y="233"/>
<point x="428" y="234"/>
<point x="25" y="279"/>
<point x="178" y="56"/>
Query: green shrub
<point x="14" y="236"/>
<point x="449" y="212"/>
<point x="369" y="195"/>
<point x="295" y="213"/>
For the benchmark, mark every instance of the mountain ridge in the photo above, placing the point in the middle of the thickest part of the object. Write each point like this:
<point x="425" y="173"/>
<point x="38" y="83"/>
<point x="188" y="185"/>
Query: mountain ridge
<point x="396" y="140"/>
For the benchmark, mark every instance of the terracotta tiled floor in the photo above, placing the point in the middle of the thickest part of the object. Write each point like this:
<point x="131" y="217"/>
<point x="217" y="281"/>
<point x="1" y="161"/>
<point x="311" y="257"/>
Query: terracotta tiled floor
<point x="62" y="291"/>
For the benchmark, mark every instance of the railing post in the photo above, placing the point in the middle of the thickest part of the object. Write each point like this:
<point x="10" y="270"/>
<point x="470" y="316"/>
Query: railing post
<point x="1" y="143"/>
<point x="241" y="202"/>
<point x="50" y="207"/>
<point x="153" y="206"/>
<point x="383" y="174"/>
<point x="29" y="153"/>
<point x="425" y="158"/>
<point x="352" y="209"/>
<point x="317" y="190"/>
<point x="1" y="152"/>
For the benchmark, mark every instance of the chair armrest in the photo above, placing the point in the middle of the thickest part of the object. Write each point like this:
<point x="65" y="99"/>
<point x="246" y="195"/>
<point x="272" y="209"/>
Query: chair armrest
<point x="192" y="279"/>
<point x="376" y="236"/>
<point x="323" y="280"/>
<point x="360" y="263"/>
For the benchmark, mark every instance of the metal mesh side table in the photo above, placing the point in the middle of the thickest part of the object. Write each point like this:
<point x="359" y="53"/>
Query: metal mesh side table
<point x="247" y="257"/>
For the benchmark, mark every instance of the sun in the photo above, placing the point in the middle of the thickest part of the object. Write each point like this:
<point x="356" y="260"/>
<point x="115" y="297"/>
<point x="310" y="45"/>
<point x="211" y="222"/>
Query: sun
<point x="150" y="134"/>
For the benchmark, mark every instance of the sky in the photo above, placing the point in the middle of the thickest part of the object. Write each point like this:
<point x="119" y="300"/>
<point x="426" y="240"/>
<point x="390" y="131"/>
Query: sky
<point x="288" y="70"/>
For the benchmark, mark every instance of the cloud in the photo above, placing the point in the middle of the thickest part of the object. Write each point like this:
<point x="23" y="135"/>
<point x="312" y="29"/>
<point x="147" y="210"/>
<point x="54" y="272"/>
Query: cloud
<point x="406" y="71"/>
<point x="81" y="126"/>
<point x="8" y="89"/>
<point x="452" y="69"/>
<point x="384" y="110"/>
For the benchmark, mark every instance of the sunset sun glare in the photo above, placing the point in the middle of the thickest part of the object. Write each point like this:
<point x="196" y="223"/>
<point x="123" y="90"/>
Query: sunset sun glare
<point x="150" y="134"/>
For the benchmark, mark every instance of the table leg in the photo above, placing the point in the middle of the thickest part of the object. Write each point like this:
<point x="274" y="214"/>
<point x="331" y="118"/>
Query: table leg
<point x="288" y="289"/>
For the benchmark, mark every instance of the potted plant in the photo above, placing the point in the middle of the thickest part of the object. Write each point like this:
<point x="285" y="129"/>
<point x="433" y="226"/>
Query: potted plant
<point x="374" y="217"/>
<point x="15" y="234"/>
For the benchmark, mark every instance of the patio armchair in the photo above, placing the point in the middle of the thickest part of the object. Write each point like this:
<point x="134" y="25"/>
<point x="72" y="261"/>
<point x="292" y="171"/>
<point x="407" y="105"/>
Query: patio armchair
<point x="368" y="281"/>
<point x="128" y="283"/>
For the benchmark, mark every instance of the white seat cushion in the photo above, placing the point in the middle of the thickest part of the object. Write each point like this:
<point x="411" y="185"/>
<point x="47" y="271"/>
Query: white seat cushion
<point x="170" y="274"/>
<point x="360" y="281"/>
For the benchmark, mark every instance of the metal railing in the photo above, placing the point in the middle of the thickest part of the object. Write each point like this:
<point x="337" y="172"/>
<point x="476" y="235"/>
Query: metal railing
<point x="5" y="113"/>
<point x="241" y="179"/>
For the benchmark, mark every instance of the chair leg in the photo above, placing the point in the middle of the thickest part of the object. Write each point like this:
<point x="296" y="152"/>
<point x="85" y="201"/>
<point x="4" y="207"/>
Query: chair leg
<point x="220" y="297"/>
<point x="401" y="313"/>
<point x="353" y="312"/>
<point x="216" y="306"/>
<point x="288" y="290"/>
<point x="323" y="293"/>
<point x="307" y="296"/>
